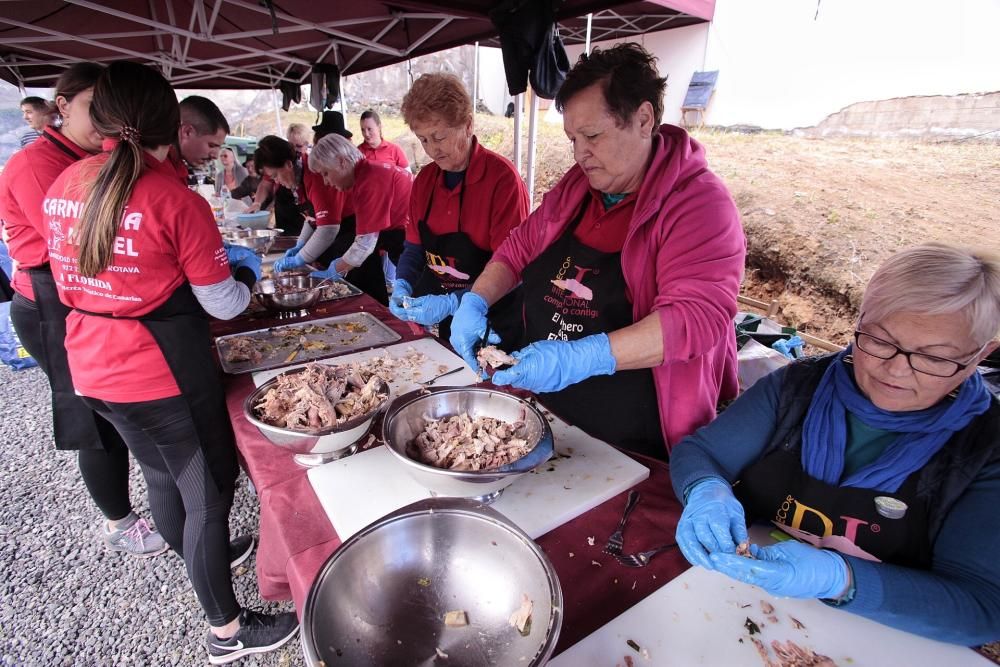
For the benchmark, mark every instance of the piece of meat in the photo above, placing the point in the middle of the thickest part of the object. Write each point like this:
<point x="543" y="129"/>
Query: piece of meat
<point x="491" y="357"/>
<point x="521" y="618"/>
<point x="241" y="349"/>
<point x="791" y="654"/>
<point x="456" y="619"/>
<point x="743" y="549"/>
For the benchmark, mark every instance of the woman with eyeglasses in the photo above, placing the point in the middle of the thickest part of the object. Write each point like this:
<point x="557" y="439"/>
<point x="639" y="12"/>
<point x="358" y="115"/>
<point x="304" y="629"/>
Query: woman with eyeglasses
<point x="882" y="461"/>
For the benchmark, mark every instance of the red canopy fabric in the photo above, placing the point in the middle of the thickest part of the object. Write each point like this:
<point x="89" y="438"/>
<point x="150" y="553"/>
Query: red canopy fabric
<point x="250" y="44"/>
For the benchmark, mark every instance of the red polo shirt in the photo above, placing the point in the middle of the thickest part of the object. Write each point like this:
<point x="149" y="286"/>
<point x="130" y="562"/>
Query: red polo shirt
<point x="605" y="230"/>
<point x="386" y="152"/>
<point x="495" y="200"/>
<point x="381" y="196"/>
<point x="167" y="237"/>
<point x="23" y="185"/>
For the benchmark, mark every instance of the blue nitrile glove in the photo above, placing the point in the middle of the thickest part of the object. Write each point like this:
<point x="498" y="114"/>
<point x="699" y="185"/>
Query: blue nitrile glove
<point x="234" y="253"/>
<point x="789" y="569"/>
<point x="400" y="289"/>
<point x="291" y="252"/>
<point x="712" y="522"/>
<point x="551" y="365"/>
<point x="289" y="263"/>
<point x="330" y="272"/>
<point x="430" y="309"/>
<point x="468" y="328"/>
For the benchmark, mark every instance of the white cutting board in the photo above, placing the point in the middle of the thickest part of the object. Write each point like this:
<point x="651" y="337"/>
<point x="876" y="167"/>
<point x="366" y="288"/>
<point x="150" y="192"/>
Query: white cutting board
<point x="437" y="355"/>
<point x="698" y="619"/>
<point x="362" y="488"/>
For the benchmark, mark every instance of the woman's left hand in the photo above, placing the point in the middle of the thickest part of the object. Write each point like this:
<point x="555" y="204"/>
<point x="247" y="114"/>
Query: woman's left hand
<point x="552" y="365"/>
<point x="330" y="273"/>
<point x="789" y="569"/>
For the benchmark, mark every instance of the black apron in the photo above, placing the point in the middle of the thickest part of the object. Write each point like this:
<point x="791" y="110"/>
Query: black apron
<point x="777" y="489"/>
<point x="74" y="425"/>
<point x="459" y="262"/>
<point x="621" y="409"/>
<point x="181" y="330"/>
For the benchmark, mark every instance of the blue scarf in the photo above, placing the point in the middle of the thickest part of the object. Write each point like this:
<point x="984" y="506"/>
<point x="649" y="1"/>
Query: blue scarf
<point x="922" y="432"/>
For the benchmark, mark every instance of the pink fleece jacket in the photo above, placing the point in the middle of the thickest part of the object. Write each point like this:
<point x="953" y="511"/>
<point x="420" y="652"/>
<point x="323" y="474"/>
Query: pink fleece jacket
<point x="683" y="258"/>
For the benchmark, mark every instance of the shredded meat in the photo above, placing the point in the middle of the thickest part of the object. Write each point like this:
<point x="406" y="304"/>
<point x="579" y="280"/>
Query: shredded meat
<point x="319" y="397"/>
<point x="243" y="348"/>
<point x="743" y="549"/>
<point x="791" y="654"/>
<point x="389" y="367"/>
<point x="466" y="443"/>
<point x="491" y="356"/>
<point x="521" y="618"/>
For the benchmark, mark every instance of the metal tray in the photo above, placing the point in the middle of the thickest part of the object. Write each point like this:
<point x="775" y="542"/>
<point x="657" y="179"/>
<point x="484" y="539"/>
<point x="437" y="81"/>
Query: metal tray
<point x="328" y="294"/>
<point x="277" y="343"/>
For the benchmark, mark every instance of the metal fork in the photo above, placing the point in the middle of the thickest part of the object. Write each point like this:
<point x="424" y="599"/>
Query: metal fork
<point x="427" y="383"/>
<point x="615" y="542"/>
<point x="642" y="558"/>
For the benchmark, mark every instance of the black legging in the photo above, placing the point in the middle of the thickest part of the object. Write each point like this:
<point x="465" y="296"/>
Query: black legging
<point x="191" y="490"/>
<point x="104" y="469"/>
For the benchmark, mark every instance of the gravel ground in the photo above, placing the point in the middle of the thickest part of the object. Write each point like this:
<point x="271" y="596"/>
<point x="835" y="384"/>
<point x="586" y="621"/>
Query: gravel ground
<point x="64" y="599"/>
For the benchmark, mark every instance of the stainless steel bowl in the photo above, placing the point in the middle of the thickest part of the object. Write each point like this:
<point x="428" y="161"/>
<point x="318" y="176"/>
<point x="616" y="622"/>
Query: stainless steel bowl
<point x="405" y="420"/>
<point x="297" y="292"/>
<point x="315" y="446"/>
<point x="258" y="240"/>
<point x="381" y="598"/>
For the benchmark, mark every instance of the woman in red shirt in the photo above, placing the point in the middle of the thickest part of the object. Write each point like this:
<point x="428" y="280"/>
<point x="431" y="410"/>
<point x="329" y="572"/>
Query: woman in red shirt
<point x="138" y="258"/>
<point x="374" y="147"/>
<point x="40" y="318"/>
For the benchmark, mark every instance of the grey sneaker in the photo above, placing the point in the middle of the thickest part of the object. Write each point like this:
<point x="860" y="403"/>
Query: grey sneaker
<point x="134" y="536"/>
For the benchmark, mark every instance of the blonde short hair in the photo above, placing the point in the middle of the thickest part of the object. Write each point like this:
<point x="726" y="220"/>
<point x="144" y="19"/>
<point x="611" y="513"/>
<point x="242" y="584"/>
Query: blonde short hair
<point x="437" y="95"/>
<point x="328" y="151"/>
<point x="297" y="129"/>
<point x="937" y="279"/>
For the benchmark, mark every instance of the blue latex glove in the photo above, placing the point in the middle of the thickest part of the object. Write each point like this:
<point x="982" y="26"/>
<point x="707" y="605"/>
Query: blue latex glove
<point x="330" y="272"/>
<point x="551" y="365"/>
<point x="789" y="569"/>
<point x="289" y="263"/>
<point x="400" y="289"/>
<point x="291" y="252"/>
<point x="468" y="328"/>
<point x="239" y="256"/>
<point x="430" y="309"/>
<point x="712" y="522"/>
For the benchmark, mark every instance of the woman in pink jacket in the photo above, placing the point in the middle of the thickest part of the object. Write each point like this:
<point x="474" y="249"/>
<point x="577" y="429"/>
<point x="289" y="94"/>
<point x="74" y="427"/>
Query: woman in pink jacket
<point x="631" y="267"/>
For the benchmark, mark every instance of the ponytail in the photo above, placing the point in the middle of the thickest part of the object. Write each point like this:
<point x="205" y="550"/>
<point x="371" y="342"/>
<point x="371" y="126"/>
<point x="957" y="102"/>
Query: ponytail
<point x="105" y="207"/>
<point x="136" y="105"/>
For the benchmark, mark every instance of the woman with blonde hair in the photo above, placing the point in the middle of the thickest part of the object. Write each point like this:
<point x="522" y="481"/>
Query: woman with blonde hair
<point x="463" y="206"/>
<point x="139" y="260"/>
<point x="232" y="175"/>
<point x="882" y="461"/>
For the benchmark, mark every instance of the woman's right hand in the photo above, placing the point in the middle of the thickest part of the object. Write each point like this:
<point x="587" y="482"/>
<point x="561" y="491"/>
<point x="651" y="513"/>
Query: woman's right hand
<point x="468" y="328"/>
<point x="712" y="522"/>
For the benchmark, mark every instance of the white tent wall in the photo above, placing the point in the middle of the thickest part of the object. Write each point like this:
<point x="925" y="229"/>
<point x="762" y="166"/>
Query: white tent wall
<point x="782" y="68"/>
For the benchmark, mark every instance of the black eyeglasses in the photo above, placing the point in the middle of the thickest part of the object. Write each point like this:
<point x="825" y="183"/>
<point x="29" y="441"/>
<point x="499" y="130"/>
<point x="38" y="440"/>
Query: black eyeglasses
<point x="920" y="362"/>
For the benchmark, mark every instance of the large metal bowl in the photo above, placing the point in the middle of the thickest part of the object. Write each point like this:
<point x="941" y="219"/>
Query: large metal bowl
<point x="258" y="240"/>
<point x="381" y="598"/>
<point x="317" y="446"/>
<point x="405" y="420"/>
<point x="288" y="293"/>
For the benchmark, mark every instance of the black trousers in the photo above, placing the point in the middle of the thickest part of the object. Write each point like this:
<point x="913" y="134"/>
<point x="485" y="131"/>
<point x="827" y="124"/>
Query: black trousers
<point x="104" y="470"/>
<point x="191" y="486"/>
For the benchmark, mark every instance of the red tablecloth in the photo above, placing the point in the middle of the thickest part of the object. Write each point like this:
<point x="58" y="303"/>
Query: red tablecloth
<point x="296" y="537"/>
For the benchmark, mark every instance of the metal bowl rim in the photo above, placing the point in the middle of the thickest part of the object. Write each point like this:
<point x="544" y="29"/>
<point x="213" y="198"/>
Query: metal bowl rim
<point x="439" y="506"/>
<point x="339" y="428"/>
<point x="402" y="401"/>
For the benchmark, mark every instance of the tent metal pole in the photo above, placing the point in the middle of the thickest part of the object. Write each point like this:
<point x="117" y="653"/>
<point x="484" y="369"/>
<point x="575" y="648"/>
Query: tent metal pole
<point x="586" y="46"/>
<point x="518" y="110"/>
<point x="532" y="136"/>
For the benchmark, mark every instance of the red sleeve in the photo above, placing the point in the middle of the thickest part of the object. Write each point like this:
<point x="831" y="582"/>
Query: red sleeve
<point x="419" y="195"/>
<point x="197" y="242"/>
<point x="509" y="205"/>
<point x="372" y="198"/>
<point x="327" y="201"/>
<point x="27" y="188"/>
